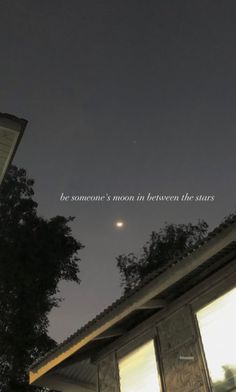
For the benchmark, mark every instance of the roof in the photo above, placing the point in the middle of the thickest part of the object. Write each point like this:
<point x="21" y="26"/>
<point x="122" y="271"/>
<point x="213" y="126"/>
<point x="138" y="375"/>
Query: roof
<point x="205" y="253"/>
<point x="11" y="131"/>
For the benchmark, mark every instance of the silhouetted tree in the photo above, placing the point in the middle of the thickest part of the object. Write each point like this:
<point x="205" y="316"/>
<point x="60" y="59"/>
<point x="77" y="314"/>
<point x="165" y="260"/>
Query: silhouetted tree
<point x="167" y="244"/>
<point x="35" y="255"/>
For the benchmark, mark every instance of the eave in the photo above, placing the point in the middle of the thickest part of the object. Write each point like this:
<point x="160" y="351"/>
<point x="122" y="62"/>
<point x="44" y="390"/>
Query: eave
<point x="11" y="131"/>
<point x="145" y="297"/>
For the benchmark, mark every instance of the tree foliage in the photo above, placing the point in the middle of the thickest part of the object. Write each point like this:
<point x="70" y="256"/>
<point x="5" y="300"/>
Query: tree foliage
<point x="35" y="255"/>
<point x="167" y="244"/>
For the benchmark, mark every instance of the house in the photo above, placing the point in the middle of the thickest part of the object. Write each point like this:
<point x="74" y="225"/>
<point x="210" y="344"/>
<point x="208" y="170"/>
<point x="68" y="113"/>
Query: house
<point x="175" y="332"/>
<point x="11" y="131"/>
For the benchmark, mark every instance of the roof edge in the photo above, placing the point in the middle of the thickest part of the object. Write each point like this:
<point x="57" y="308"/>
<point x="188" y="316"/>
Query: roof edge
<point x="14" y="118"/>
<point x="14" y="124"/>
<point x="219" y="239"/>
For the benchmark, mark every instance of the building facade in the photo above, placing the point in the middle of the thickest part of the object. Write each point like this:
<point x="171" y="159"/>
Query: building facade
<point x="173" y="333"/>
<point x="11" y="131"/>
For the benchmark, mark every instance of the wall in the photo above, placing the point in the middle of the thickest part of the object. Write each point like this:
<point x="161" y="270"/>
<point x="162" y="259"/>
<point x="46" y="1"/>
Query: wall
<point x="179" y="351"/>
<point x="108" y="378"/>
<point x="181" y="361"/>
<point x="180" y="358"/>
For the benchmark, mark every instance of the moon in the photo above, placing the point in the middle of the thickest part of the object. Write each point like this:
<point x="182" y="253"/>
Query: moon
<point x="119" y="224"/>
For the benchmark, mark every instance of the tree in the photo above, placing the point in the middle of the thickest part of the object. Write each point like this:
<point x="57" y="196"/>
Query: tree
<point x="167" y="244"/>
<point x="35" y="255"/>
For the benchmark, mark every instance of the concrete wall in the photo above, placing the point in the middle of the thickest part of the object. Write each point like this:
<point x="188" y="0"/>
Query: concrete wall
<point x="108" y="378"/>
<point x="180" y="360"/>
<point x="180" y="354"/>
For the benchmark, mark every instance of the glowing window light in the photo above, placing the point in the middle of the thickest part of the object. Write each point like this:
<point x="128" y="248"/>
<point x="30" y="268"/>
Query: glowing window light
<point x="217" y="323"/>
<point x="138" y="370"/>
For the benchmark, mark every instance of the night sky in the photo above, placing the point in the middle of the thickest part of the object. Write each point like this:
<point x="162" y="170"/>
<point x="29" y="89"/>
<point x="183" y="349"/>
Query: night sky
<point x="122" y="97"/>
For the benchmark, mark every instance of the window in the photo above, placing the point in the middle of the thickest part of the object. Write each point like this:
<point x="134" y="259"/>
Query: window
<point x="217" y="324"/>
<point x="138" y="370"/>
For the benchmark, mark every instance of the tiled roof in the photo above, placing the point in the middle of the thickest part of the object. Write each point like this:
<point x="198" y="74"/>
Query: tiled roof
<point x="150" y="277"/>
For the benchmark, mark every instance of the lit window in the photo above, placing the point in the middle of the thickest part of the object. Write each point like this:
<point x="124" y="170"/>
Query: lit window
<point x="138" y="370"/>
<point x="217" y="323"/>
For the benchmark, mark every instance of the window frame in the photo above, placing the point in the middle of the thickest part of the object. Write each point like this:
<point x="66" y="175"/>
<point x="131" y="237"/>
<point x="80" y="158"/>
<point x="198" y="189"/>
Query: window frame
<point x="218" y="282"/>
<point x="138" y="341"/>
<point x="216" y="291"/>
